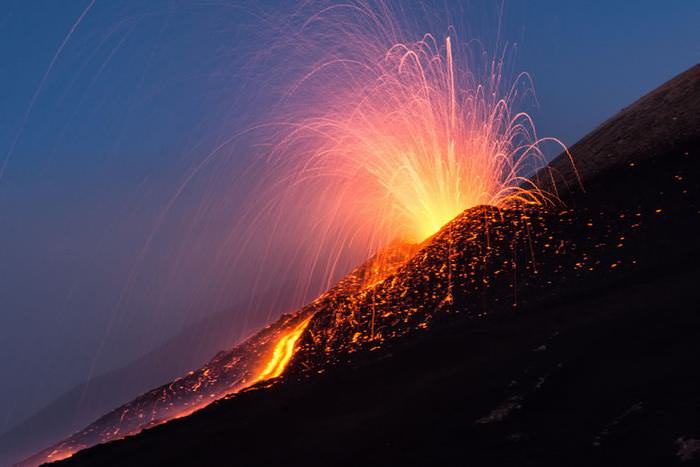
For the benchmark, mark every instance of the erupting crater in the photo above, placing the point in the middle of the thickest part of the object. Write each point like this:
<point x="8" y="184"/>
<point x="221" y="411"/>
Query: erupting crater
<point x="388" y="139"/>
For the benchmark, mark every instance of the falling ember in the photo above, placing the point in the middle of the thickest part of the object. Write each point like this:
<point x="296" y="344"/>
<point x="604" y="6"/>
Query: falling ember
<point x="401" y="136"/>
<point x="386" y="138"/>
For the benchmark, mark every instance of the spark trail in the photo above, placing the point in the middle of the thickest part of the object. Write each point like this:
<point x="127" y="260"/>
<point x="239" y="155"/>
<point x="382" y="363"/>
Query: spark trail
<point x="389" y="135"/>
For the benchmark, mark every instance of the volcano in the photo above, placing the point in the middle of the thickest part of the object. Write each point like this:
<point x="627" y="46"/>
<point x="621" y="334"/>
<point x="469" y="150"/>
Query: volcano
<point x="520" y="336"/>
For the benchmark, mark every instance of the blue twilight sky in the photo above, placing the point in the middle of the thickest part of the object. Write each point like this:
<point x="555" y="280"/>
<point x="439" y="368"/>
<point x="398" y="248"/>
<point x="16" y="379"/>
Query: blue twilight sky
<point x="107" y="106"/>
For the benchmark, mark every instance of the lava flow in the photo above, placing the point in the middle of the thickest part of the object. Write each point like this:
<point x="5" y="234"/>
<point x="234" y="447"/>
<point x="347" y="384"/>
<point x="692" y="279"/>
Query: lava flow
<point x="284" y="349"/>
<point x="263" y="357"/>
<point x="389" y="136"/>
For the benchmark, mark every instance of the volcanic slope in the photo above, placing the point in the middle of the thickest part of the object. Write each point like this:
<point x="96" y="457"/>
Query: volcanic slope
<point x="512" y="337"/>
<point x="257" y="358"/>
<point x="86" y="402"/>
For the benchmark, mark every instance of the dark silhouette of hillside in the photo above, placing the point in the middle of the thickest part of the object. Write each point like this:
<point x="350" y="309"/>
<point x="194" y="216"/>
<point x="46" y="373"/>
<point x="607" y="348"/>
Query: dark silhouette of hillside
<point x="663" y="121"/>
<point x="532" y="336"/>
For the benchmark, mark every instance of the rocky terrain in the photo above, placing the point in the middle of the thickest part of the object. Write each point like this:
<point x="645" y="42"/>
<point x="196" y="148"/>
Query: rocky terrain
<point x="564" y="335"/>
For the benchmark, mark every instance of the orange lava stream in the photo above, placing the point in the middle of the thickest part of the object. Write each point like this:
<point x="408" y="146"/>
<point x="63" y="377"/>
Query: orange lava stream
<point x="282" y="353"/>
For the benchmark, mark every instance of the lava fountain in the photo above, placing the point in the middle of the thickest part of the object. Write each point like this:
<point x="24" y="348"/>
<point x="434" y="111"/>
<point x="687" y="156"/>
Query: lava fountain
<point x="387" y="136"/>
<point x="402" y="136"/>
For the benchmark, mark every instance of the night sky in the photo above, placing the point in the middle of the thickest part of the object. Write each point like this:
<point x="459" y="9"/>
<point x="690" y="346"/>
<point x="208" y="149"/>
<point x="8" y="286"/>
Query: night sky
<point x="98" y="132"/>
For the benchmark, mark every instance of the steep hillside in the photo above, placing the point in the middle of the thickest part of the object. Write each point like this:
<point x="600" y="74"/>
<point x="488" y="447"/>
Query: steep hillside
<point x="262" y="356"/>
<point x="515" y="337"/>
<point x="662" y="122"/>
<point x="593" y="366"/>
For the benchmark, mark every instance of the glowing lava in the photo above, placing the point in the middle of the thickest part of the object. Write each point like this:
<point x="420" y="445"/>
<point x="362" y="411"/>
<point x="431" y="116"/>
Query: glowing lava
<point x="387" y="137"/>
<point x="283" y="352"/>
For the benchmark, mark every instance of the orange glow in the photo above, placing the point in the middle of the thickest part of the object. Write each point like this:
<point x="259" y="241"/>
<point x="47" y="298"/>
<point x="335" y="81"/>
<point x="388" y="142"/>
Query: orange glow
<point x="386" y="137"/>
<point x="404" y="138"/>
<point x="282" y="353"/>
<point x="59" y="455"/>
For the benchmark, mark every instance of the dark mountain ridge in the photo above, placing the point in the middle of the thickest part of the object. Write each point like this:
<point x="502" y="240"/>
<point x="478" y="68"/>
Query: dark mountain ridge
<point x="523" y="336"/>
<point x="661" y="122"/>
